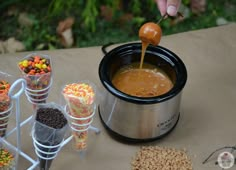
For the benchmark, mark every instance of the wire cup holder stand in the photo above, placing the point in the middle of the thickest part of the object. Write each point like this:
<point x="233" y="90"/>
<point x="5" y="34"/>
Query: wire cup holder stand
<point x="16" y="101"/>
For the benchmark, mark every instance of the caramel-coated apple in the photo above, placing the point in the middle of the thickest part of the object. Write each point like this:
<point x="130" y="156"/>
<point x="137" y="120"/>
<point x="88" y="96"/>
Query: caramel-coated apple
<point x="150" y="33"/>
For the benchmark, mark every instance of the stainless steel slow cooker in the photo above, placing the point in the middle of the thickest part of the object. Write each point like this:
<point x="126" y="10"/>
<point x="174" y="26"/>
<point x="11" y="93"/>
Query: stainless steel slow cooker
<point x="140" y="119"/>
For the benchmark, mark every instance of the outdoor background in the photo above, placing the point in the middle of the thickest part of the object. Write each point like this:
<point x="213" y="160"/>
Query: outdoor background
<point x="28" y="25"/>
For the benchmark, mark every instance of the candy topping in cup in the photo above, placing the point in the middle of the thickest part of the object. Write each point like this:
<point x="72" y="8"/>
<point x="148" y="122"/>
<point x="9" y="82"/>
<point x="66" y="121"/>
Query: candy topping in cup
<point x="5" y="105"/>
<point x="48" y="132"/>
<point x="4" y="102"/>
<point x="6" y="159"/>
<point x="83" y="91"/>
<point x="4" y="98"/>
<point x="37" y="71"/>
<point x="80" y="99"/>
<point x="35" y="65"/>
<point x="4" y="86"/>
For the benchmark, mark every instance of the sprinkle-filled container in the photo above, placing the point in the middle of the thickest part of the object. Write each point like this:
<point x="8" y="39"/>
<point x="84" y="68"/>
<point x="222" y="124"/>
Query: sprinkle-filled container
<point x="48" y="132"/>
<point x="5" y="102"/>
<point x="36" y="69"/>
<point x="8" y="156"/>
<point x="4" y="118"/>
<point x="80" y="109"/>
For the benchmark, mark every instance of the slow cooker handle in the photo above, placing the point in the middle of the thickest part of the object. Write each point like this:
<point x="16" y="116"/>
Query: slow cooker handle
<point x="105" y="46"/>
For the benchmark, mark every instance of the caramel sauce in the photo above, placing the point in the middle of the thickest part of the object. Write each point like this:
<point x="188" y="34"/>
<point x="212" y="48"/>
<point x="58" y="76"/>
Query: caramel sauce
<point x="142" y="79"/>
<point x="146" y="82"/>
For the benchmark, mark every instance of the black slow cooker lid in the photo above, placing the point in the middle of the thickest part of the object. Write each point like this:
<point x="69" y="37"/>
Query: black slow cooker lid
<point x="131" y="52"/>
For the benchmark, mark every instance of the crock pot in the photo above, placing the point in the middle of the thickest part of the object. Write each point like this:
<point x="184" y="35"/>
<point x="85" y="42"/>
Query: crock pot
<point x="140" y="119"/>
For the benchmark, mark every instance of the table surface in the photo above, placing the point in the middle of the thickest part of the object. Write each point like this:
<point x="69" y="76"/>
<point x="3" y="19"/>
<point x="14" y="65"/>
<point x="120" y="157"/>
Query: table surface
<point x="208" y="113"/>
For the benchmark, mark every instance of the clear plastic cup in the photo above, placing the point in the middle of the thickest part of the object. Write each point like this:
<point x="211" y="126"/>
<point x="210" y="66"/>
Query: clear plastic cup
<point x="37" y="81"/>
<point x="79" y="128"/>
<point x="37" y="84"/>
<point x="80" y="107"/>
<point x="5" y="101"/>
<point x="80" y="139"/>
<point x="81" y="103"/>
<point x="4" y="118"/>
<point x="45" y="152"/>
<point x="47" y="140"/>
<point x="12" y="154"/>
<point x="38" y="96"/>
<point x="80" y="120"/>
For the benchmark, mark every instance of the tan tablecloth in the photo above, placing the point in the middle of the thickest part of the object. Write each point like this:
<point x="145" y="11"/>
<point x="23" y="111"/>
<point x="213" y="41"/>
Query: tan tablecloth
<point x="208" y="115"/>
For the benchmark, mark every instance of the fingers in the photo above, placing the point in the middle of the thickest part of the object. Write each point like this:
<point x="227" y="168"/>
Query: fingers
<point x="170" y="7"/>
<point x="162" y="6"/>
<point x="173" y="7"/>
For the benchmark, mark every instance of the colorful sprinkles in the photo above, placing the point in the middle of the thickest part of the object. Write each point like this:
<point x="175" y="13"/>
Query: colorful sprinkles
<point x="84" y="92"/>
<point x="6" y="158"/>
<point x="80" y="99"/>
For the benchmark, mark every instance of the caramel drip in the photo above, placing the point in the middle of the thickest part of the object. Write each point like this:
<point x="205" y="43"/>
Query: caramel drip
<point x="144" y="47"/>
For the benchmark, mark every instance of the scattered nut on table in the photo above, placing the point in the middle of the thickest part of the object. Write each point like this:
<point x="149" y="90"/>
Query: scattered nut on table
<point x="161" y="158"/>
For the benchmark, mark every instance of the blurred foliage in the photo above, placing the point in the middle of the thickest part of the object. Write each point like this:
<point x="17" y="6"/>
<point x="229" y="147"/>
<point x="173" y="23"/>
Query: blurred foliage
<point x="186" y="2"/>
<point x="98" y="22"/>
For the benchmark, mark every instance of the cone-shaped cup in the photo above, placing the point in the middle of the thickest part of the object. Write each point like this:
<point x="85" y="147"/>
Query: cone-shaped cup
<point x="8" y="155"/>
<point x="80" y="99"/>
<point x="79" y="122"/>
<point x="38" y="96"/>
<point x="36" y="69"/>
<point x="4" y="118"/>
<point x="80" y="139"/>
<point x="46" y="152"/>
<point x="5" y="101"/>
<point x="48" y="132"/>
<point x="79" y="128"/>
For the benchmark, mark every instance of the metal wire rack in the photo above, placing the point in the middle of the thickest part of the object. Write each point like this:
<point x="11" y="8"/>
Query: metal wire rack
<point x="15" y="96"/>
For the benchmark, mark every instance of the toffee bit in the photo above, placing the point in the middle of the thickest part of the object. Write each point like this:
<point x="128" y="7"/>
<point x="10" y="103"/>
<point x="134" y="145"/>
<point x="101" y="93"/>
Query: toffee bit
<point x="154" y="157"/>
